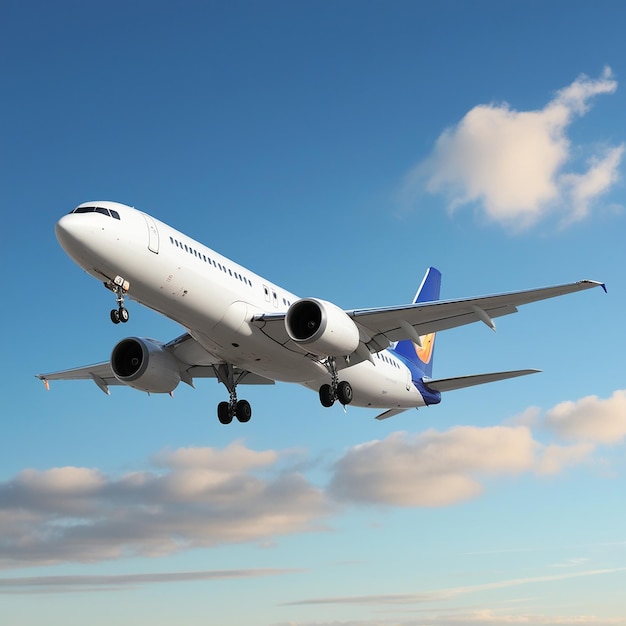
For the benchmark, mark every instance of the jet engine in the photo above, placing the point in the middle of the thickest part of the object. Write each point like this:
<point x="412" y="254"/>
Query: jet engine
<point x="146" y="365"/>
<point x="321" y="328"/>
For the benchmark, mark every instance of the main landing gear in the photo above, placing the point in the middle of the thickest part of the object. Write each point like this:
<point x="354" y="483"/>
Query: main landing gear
<point x="341" y="391"/>
<point x="240" y="409"/>
<point x="119" y="286"/>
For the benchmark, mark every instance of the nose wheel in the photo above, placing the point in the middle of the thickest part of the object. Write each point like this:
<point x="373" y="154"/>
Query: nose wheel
<point x="119" y="315"/>
<point x="119" y="286"/>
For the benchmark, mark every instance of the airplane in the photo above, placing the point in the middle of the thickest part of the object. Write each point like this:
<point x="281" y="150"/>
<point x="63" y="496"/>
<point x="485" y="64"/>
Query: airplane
<point x="243" y="329"/>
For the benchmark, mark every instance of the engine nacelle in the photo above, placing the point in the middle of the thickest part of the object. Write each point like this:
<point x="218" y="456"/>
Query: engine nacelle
<point x="145" y="365"/>
<point x="321" y="328"/>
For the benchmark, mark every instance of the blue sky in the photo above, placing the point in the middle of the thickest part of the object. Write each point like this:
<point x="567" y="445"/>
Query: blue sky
<point x="338" y="148"/>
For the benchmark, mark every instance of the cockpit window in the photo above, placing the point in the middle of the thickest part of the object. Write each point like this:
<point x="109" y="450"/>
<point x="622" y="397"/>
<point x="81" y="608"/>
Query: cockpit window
<point x="97" y="209"/>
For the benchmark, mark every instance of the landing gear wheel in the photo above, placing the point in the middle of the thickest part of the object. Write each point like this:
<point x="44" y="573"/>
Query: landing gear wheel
<point x="123" y="314"/>
<point x="224" y="414"/>
<point x="344" y="392"/>
<point x="327" y="398"/>
<point x="115" y="316"/>
<point x="243" y="411"/>
<point x="225" y="373"/>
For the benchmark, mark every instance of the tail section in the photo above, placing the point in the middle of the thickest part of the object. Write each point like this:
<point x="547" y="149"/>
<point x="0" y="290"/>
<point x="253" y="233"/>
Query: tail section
<point x="422" y="356"/>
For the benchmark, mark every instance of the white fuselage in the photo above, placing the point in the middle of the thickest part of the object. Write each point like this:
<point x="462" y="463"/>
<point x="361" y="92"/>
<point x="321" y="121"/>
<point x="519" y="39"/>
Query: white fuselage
<point x="215" y="299"/>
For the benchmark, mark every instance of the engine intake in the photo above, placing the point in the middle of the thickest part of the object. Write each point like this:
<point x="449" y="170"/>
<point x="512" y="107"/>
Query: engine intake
<point x="321" y="328"/>
<point x="146" y="365"/>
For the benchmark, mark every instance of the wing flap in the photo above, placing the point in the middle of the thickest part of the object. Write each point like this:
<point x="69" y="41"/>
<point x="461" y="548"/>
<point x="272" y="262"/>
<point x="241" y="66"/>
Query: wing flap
<point x="243" y="377"/>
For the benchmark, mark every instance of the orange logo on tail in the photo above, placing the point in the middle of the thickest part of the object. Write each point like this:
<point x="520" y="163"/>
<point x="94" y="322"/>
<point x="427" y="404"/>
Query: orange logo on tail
<point x="425" y="353"/>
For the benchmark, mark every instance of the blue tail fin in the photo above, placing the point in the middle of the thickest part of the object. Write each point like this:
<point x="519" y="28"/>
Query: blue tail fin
<point x="423" y="357"/>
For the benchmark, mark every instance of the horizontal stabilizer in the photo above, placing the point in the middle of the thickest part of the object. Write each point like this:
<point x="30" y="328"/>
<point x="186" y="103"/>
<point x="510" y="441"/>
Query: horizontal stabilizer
<point x="461" y="382"/>
<point x="390" y="413"/>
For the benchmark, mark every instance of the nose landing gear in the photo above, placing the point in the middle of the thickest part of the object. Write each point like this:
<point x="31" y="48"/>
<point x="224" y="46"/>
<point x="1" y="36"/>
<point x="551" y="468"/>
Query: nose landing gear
<point x="119" y="286"/>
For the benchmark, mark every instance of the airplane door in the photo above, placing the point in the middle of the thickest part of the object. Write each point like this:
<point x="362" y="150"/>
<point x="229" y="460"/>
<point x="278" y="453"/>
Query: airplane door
<point x="153" y="234"/>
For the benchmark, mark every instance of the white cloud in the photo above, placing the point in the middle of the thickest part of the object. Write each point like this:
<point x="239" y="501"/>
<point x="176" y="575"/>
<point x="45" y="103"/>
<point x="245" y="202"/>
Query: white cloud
<point x="590" y="419"/>
<point x="78" y="514"/>
<point x="582" y="189"/>
<point x="512" y="163"/>
<point x="442" y="468"/>
<point x="555" y="458"/>
<point x="199" y="497"/>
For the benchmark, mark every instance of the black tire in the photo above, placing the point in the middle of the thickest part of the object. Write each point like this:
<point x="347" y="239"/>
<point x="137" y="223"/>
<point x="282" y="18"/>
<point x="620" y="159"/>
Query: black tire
<point x="243" y="411"/>
<point x="326" y="396"/>
<point x="115" y="316"/>
<point x="223" y="413"/>
<point x="124" y="315"/>
<point x="344" y="392"/>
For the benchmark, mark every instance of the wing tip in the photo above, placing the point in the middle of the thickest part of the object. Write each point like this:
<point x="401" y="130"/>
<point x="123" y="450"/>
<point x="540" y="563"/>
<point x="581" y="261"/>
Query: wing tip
<point x="594" y="283"/>
<point x="44" y="380"/>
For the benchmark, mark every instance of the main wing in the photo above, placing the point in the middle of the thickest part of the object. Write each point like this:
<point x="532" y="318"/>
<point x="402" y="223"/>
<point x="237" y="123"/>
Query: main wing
<point x="380" y="327"/>
<point x="384" y="326"/>
<point x="194" y="360"/>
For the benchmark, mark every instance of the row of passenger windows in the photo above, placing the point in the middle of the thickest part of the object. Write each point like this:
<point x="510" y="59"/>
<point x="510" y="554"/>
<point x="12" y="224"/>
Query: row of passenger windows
<point x="206" y="259"/>
<point x="226" y="270"/>
<point x="383" y="357"/>
<point x="97" y="209"/>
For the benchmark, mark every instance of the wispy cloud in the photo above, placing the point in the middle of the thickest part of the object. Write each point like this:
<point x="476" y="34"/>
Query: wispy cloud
<point x="518" y="166"/>
<point x="447" y="593"/>
<point x="89" y="583"/>
<point x="476" y="617"/>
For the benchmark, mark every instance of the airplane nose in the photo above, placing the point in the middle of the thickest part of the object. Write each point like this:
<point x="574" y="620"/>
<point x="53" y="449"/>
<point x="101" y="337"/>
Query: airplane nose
<point x="75" y="234"/>
<point x="65" y="230"/>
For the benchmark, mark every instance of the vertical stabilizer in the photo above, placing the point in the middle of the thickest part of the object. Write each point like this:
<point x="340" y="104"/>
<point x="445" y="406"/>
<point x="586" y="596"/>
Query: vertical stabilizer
<point x="422" y="356"/>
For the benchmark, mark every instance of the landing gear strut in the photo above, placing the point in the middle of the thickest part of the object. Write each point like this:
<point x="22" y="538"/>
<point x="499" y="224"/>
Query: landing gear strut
<point x="119" y="286"/>
<point x="341" y="391"/>
<point x="240" y="409"/>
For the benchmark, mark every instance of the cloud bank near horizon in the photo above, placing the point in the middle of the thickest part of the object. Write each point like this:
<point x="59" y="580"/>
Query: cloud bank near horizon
<point x="204" y="497"/>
